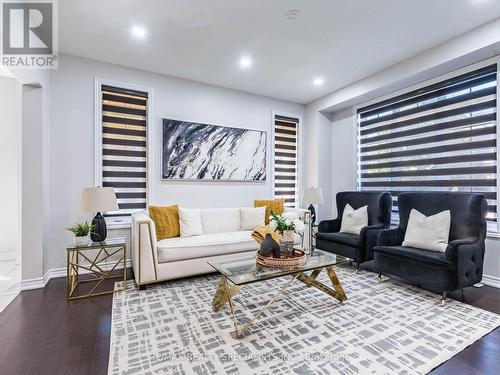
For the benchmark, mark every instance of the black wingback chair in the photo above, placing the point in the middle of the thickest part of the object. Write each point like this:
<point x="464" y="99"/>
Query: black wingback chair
<point x="460" y="266"/>
<point x="358" y="248"/>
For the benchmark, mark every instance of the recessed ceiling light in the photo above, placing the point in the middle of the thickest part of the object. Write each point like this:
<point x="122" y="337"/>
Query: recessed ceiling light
<point x="245" y="62"/>
<point x="138" y="32"/>
<point x="318" y="81"/>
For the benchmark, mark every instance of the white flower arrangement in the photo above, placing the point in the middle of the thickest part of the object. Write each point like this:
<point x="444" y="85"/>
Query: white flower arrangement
<point x="287" y="221"/>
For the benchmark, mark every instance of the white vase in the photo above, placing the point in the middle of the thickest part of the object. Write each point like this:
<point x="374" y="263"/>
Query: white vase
<point x="81" y="241"/>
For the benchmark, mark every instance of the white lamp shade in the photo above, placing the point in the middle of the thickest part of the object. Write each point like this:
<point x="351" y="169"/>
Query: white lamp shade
<point x="312" y="195"/>
<point x="98" y="199"/>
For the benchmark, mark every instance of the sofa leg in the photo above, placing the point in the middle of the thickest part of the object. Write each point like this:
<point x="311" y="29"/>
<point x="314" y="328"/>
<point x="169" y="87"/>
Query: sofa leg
<point x="463" y="295"/>
<point x="443" y="299"/>
<point x="379" y="277"/>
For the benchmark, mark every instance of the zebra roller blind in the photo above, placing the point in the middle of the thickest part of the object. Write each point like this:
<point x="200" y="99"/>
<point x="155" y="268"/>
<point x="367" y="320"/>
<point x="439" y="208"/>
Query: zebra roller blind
<point x="124" y="151"/>
<point x="286" y="159"/>
<point x="442" y="137"/>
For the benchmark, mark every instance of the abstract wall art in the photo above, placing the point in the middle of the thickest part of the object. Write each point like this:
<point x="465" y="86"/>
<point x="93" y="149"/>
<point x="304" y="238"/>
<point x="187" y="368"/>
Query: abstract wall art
<point x="194" y="151"/>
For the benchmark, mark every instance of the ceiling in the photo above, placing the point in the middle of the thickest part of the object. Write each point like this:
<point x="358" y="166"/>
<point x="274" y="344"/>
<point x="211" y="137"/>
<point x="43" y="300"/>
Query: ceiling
<point x="202" y="40"/>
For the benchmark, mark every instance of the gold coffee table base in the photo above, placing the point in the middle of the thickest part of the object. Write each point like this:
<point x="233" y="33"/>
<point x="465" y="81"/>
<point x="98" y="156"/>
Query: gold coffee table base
<point x="225" y="293"/>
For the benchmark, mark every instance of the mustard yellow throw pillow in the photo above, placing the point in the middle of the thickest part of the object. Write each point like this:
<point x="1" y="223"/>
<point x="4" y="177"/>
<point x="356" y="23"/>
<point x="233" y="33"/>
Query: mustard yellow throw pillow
<point x="276" y="206"/>
<point x="166" y="220"/>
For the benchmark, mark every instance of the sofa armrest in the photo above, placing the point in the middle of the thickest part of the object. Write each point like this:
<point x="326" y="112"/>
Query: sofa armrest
<point x="468" y="256"/>
<point x="390" y="237"/>
<point x="369" y="228"/>
<point x="300" y="211"/>
<point x="143" y="251"/>
<point x="329" y="226"/>
<point x="453" y="245"/>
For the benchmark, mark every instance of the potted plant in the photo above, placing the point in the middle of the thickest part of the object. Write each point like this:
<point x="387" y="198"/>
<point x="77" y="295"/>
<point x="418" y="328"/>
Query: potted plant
<point x="287" y="224"/>
<point x="82" y="233"/>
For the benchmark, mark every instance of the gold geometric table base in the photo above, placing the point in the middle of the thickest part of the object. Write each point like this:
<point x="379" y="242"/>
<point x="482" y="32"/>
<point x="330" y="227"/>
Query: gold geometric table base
<point x="95" y="272"/>
<point x="225" y="293"/>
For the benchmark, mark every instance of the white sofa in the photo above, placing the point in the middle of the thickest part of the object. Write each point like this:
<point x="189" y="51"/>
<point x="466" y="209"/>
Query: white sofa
<point x="154" y="261"/>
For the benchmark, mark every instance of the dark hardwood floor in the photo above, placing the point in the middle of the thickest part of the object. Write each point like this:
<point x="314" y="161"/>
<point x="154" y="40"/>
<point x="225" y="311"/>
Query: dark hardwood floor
<point x="40" y="333"/>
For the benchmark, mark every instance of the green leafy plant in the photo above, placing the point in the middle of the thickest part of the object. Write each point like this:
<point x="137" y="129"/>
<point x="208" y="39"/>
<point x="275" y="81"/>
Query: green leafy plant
<point x="81" y="230"/>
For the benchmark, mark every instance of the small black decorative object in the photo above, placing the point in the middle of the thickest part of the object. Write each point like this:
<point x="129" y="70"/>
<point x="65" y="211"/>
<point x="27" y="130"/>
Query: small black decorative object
<point x="313" y="213"/>
<point x="270" y="247"/>
<point x="312" y="195"/>
<point x="99" y="230"/>
<point x="99" y="199"/>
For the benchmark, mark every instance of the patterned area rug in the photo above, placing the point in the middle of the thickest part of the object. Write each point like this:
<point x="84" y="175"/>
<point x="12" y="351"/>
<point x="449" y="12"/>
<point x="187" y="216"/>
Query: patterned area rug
<point x="383" y="328"/>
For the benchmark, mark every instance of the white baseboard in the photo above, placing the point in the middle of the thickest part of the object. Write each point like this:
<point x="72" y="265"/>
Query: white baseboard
<point x="54" y="273"/>
<point x="36" y="283"/>
<point x="491" y="281"/>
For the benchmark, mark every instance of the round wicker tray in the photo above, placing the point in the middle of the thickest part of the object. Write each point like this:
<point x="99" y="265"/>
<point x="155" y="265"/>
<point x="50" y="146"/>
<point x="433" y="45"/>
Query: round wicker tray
<point x="297" y="259"/>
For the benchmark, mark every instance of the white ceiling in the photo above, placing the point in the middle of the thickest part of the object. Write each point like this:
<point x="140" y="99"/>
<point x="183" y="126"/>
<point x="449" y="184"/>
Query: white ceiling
<point x="341" y="41"/>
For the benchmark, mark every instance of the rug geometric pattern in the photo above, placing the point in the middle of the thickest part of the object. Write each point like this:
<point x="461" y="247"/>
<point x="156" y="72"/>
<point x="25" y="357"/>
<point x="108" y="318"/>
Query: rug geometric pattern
<point x="383" y="328"/>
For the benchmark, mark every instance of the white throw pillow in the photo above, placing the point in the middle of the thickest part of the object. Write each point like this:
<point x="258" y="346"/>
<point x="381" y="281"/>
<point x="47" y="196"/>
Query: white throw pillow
<point x="428" y="232"/>
<point x="190" y="222"/>
<point x="252" y="218"/>
<point x="354" y="220"/>
<point x="220" y="220"/>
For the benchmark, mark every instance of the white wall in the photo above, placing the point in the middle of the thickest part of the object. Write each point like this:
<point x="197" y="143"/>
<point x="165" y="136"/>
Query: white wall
<point x="491" y="271"/>
<point x="35" y="171"/>
<point x="32" y="187"/>
<point x="72" y="139"/>
<point x="324" y="149"/>
<point x="343" y="160"/>
<point x="10" y="166"/>
<point x="317" y="158"/>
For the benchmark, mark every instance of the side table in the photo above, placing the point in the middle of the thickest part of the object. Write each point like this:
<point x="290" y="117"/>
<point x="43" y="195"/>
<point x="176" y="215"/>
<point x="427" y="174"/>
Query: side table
<point x="85" y="267"/>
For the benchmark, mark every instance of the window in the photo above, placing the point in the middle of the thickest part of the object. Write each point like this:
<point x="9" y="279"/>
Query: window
<point x="124" y="148"/>
<point x="286" y="159"/>
<point x="442" y="137"/>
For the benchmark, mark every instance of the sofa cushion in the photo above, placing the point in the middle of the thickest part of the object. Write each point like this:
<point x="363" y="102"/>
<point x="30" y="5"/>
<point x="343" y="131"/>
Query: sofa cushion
<point x="220" y="220"/>
<point x="166" y="221"/>
<point x="414" y="255"/>
<point x="354" y="220"/>
<point x="182" y="248"/>
<point x="428" y="232"/>
<point x="348" y="239"/>
<point x="252" y="218"/>
<point x="190" y="222"/>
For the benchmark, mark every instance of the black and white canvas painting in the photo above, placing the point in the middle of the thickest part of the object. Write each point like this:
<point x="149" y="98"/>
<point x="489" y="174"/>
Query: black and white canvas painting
<point x="197" y="151"/>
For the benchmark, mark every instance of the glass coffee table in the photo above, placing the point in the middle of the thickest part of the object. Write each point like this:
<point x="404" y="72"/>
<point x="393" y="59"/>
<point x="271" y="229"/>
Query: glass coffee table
<point x="242" y="271"/>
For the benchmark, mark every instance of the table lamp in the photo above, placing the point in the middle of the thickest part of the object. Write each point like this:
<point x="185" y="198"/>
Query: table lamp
<point x="97" y="200"/>
<point x="312" y="196"/>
